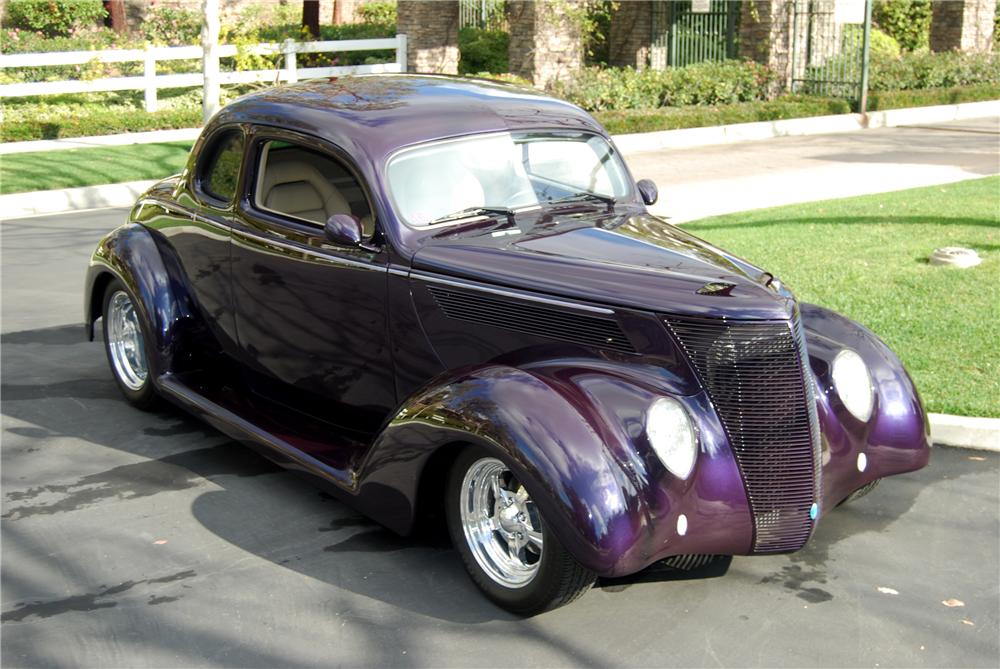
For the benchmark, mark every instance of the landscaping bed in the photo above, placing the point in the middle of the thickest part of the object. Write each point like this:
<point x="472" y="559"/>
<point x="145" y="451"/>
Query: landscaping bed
<point x="866" y="257"/>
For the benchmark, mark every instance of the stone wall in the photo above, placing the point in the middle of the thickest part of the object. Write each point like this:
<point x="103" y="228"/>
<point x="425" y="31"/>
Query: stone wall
<point x="431" y="29"/>
<point x="766" y="38"/>
<point x="965" y="25"/>
<point x="545" y="40"/>
<point x="630" y="35"/>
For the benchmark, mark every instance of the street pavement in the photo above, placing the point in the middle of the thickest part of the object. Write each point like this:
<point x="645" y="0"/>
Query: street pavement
<point x="135" y="539"/>
<point x="711" y="180"/>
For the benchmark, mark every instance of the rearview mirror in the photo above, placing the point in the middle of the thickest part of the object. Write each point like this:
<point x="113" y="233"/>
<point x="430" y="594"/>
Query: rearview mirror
<point x="343" y="229"/>
<point x="648" y="191"/>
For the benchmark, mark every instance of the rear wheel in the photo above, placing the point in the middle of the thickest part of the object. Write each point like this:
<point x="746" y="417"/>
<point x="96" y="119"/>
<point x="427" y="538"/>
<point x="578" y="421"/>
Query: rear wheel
<point x="125" y="345"/>
<point x="504" y="541"/>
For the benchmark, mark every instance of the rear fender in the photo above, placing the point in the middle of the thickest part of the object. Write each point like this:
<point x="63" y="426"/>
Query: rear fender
<point x="896" y="438"/>
<point x="130" y="253"/>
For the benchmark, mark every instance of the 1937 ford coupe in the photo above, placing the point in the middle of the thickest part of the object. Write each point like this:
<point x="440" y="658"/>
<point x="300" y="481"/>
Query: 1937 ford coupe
<point x="427" y="292"/>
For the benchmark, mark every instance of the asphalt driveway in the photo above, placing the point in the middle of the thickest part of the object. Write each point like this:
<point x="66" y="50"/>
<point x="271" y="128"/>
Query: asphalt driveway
<point x="135" y="540"/>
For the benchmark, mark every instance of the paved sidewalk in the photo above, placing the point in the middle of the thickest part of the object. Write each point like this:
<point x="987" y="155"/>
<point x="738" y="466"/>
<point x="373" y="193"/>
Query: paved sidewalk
<point x="708" y="181"/>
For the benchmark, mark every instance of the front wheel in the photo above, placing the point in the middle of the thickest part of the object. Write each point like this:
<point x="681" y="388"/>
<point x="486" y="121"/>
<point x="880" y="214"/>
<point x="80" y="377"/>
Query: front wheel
<point x="860" y="492"/>
<point x="503" y="539"/>
<point x="125" y="345"/>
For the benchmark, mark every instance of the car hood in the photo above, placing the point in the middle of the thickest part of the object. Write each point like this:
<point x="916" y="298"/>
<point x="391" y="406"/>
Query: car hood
<point x="628" y="260"/>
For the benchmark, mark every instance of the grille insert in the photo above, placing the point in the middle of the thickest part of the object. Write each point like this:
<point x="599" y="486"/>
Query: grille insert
<point x="532" y="318"/>
<point x="753" y="373"/>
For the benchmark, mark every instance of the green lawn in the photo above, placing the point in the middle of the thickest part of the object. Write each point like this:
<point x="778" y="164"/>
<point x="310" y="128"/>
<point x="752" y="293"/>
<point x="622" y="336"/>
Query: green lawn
<point x="866" y="257"/>
<point x="45" y="170"/>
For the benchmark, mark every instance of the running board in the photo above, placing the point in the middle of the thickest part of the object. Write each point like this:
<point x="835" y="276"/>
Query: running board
<point x="273" y="447"/>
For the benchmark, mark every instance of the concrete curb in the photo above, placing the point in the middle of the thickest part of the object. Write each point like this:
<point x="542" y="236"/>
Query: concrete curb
<point x="37" y="203"/>
<point x="817" y="125"/>
<point x="966" y="432"/>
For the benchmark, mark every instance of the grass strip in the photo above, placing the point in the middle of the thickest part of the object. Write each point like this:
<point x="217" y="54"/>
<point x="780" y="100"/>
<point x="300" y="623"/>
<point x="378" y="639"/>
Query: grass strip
<point x="866" y="257"/>
<point x="71" y="168"/>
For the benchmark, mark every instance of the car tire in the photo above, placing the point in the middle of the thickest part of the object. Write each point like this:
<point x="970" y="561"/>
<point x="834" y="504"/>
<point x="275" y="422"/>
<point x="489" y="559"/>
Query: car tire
<point x="125" y="331"/>
<point x="487" y="510"/>
<point x="860" y="492"/>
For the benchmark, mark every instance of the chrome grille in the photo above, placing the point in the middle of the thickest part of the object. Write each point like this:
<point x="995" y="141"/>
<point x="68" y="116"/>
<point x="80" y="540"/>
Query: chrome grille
<point x="753" y="373"/>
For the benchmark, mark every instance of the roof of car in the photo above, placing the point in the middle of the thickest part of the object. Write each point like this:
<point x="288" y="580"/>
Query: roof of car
<point x="380" y="113"/>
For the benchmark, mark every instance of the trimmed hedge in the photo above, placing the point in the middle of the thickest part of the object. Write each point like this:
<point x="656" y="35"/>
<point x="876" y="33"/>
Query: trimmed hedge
<point x="923" y="69"/>
<point x="882" y="100"/>
<point x="600" y="89"/>
<point x="98" y="122"/>
<point x="673" y="118"/>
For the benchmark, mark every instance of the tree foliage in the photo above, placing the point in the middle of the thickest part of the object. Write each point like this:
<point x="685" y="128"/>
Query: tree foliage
<point x="906" y="21"/>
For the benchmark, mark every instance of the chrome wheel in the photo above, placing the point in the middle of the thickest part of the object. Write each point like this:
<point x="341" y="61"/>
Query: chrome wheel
<point x="125" y="342"/>
<point x="501" y="524"/>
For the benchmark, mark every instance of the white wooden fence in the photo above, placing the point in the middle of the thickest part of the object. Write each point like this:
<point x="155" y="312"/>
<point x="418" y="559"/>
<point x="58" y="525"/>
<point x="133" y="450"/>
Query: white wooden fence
<point x="150" y="81"/>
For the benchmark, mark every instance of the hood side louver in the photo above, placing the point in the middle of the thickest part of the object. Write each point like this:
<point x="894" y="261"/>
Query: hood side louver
<point x="532" y="318"/>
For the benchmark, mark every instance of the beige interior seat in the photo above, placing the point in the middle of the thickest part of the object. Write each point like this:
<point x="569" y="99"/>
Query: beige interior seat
<point x="299" y="189"/>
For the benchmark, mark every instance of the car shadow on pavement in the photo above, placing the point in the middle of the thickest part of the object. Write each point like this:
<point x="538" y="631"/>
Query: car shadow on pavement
<point x="57" y="385"/>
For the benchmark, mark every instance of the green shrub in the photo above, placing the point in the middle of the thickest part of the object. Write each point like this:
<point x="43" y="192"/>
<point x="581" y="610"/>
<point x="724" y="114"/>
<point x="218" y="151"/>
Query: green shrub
<point x="906" y="21"/>
<point x="673" y="118"/>
<point x="482" y="50"/>
<point x="504" y="77"/>
<point x="597" y="89"/>
<point x="172" y="26"/>
<point x="882" y="45"/>
<point x="882" y="100"/>
<point x="996" y="28"/>
<point x="54" y="18"/>
<point x="923" y="69"/>
<point x="378" y="13"/>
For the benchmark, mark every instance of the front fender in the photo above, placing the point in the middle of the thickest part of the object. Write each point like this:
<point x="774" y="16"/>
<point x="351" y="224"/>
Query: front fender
<point x="894" y="440"/>
<point x="556" y="453"/>
<point x="574" y="436"/>
<point x="130" y="253"/>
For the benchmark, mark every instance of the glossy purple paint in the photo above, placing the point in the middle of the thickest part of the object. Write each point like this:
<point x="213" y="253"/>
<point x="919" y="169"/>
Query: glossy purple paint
<point x="337" y="361"/>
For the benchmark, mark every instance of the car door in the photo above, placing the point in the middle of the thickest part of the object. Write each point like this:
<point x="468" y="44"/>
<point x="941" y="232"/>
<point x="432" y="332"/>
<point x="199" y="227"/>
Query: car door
<point x="310" y="314"/>
<point x="197" y="224"/>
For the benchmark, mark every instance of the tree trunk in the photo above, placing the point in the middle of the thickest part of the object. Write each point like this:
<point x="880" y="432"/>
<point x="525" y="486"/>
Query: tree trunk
<point x="310" y="17"/>
<point x="116" y="15"/>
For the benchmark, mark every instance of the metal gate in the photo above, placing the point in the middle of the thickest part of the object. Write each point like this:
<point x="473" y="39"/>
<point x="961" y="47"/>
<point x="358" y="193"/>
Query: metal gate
<point x="488" y="14"/>
<point x="687" y="32"/>
<point x="828" y="55"/>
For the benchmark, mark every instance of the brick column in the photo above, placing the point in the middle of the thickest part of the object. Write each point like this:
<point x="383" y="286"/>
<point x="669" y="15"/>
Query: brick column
<point x="545" y="40"/>
<point x="963" y="25"/>
<point x="431" y="28"/>
<point x="766" y="37"/>
<point x="631" y="34"/>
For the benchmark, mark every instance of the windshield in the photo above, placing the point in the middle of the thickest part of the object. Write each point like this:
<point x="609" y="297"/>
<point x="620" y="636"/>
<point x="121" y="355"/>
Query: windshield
<point x="488" y="174"/>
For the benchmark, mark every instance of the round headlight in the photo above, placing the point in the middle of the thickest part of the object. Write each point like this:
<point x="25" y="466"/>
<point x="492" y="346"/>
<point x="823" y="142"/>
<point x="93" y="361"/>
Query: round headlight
<point x="672" y="436"/>
<point x="853" y="384"/>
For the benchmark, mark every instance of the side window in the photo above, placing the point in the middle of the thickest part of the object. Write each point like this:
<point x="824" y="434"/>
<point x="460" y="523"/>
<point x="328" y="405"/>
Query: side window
<point x="220" y="171"/>
<point x="308" y="185"/>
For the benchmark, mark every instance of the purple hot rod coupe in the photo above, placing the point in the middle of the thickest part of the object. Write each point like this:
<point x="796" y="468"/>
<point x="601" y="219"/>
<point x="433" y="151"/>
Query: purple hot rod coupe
<point x="437" y="294"/>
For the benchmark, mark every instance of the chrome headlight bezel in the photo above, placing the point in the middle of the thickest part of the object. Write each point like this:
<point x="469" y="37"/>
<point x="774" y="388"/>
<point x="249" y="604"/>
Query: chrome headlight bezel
<point x="853" y="382"/>
<point x="673" y="436"/>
